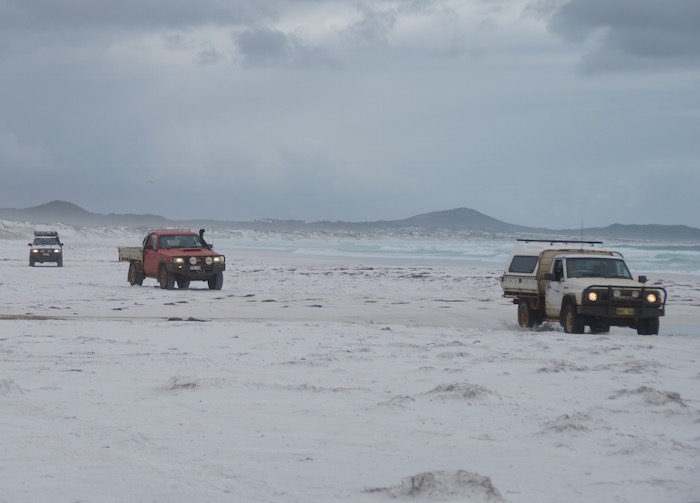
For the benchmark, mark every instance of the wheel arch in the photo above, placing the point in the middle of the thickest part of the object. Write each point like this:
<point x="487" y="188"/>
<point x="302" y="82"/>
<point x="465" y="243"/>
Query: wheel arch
<point x="566" y="301"/>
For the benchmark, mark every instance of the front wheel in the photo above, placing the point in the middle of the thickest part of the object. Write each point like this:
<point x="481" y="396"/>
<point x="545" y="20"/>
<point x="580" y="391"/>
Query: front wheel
<point x="165" y="279"/>
<point x="572" y="322"/>
<point x="183" y="283"/>
<point x="600" y="327"/>
<point x="648" y="326"/>
<point x="216" y="281"/>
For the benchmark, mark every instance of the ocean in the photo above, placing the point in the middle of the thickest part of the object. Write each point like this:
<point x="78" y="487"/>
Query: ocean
<point x="642" y="258"/>
<point x="404" y="248"/>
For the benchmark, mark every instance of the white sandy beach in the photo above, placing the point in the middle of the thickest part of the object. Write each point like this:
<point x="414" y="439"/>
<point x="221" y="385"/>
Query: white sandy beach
<point x="320" y="380"/>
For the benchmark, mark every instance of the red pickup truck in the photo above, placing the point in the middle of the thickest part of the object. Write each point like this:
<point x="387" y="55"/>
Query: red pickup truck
<point x="174" y="256"/>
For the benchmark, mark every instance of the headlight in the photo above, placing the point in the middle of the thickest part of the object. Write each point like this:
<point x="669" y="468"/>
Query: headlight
<point x="178" y="260"/>
<point x="208" y="260"/>
<point x="651" y="298"/>
<point x="193" y="260"/>
<point x="57" y="250"/>
<point x="219" y="259"/>
<point x="592" y="296"/>
<point x="34" y="250"/>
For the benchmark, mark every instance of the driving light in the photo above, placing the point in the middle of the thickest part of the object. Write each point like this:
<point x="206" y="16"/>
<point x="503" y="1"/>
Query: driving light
<point x="651" y="298"/>
<point x="193" y="260"/>
<point x="635" y="294"/>
<point x="208" y="261"/>
<point x="592" y="296"/>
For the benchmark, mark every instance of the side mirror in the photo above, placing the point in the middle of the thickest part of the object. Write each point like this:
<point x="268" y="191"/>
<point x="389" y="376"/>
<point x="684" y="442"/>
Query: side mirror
<point x="642" y="279"/>
<point x="30" y="244"/>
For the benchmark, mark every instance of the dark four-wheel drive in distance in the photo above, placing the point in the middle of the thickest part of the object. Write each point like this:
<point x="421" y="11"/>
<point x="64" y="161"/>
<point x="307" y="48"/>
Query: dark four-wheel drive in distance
<point x="174" y="256"/>
<point x="579" y="287"/>
<point x="46" y="247"/>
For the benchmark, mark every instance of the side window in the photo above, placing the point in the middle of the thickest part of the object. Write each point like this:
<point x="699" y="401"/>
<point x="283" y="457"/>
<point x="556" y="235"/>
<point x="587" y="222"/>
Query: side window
<point x="150" y="242"/>
<point x="558" y="270"/>
<point x="524" y="264"/>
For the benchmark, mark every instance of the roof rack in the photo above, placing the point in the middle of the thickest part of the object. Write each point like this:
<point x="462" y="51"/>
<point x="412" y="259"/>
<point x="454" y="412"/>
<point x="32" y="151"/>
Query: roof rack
<point x="169" y="229"/>
<point x="46" y="233"/>
<point x="562" y="241"/>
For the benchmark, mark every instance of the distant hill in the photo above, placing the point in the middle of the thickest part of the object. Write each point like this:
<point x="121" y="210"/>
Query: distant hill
<point x="71" y="214"/>
<point x="652" y="232"/>
<point x="459" y="219"/>
<point x="456" y="220"/>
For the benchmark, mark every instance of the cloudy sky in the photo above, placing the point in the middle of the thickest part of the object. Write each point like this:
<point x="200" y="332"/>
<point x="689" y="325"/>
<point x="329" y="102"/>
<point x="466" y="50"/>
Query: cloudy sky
<point x="536" y="112"/>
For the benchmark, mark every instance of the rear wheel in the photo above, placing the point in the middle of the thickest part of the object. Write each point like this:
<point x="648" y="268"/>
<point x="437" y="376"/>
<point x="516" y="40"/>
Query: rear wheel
<point x="526" y="317"/>
<point x="572" y="322"/>
<point x="216" y="281"/>
<point x="165" y="279"/>
<point x="648" y="326"/>
<point x="135" y="277"/>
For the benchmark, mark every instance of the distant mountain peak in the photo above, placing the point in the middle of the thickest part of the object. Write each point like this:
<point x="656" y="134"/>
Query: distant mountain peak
<point x="60" y="207"/>
<point x="457" y="219"/>
<point x="50" y="213"/>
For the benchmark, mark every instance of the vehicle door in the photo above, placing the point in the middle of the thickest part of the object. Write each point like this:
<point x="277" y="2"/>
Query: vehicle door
<point x="150" y="255"/>
<point x="556" y="289"/>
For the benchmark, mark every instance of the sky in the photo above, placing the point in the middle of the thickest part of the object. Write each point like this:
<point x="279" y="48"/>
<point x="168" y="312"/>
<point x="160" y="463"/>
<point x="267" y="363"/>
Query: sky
<point x="542" y="113"/>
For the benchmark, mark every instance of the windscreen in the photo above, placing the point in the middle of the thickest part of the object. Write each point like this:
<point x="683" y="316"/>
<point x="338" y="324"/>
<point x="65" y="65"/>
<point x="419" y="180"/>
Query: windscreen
<point x="597" y="267"/>
<point x="180" y="241"/>
<point x="46" y="241"/>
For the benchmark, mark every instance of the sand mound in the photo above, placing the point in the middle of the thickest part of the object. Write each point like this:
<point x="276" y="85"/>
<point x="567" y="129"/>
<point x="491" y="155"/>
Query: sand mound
<point x="444" y="486"/>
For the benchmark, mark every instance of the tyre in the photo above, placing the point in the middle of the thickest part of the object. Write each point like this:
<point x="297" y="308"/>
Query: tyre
<point x="134" y="276"/>
<point x="59" y="262"/>
<point x="572" y="322"/>
<point x="526" y="317"/>
<point x="648" y="326"/>
<point x="183" y="283"/>
<point x="216" y="281"/>
<point x="600" y="327"/>
<point x="31" y="262"/>
<point x="165" y="279"/>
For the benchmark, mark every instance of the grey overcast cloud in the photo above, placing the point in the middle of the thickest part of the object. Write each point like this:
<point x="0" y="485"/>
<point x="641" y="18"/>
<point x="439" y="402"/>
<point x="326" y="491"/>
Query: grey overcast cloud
<point x="536" y="112"/>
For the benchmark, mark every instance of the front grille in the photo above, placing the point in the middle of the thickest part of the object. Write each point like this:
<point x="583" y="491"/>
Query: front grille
<point x="621" y="296"/>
